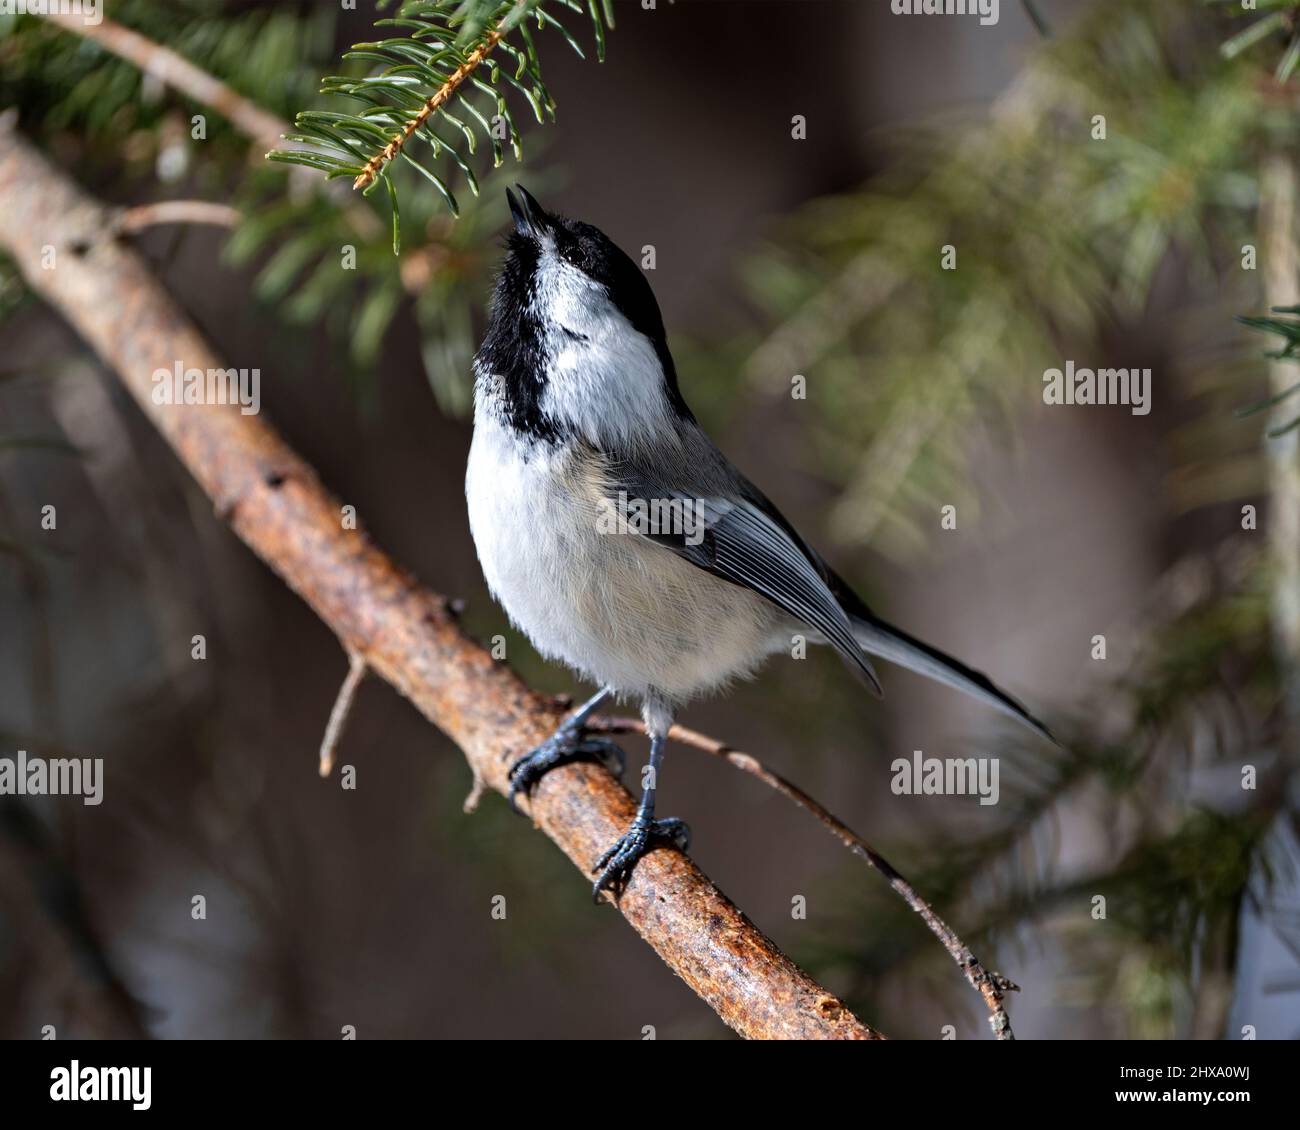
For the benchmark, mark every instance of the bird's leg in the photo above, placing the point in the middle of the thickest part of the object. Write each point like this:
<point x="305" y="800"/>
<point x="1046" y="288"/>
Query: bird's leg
<point x="565" y="745"/>
<point x="615" y="866"/>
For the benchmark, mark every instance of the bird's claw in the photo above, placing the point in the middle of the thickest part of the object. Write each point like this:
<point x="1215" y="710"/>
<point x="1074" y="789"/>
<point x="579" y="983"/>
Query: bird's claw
<point x="565" y="745"/>
<point x="616" y="864"/>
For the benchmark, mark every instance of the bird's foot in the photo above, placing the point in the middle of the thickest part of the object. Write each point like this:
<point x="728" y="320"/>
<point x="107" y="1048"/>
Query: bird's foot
<point x="615" y="866"/>
<point x="565" y="745"/>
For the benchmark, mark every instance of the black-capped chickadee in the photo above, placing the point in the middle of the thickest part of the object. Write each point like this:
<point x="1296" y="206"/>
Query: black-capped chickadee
<point x="619" y="539"/>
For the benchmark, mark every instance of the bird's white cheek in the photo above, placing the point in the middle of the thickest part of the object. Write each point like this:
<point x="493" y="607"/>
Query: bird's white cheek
<point x="603" y="378"/>
<point x="609" y="388"/>
<point x="564" y="296"/>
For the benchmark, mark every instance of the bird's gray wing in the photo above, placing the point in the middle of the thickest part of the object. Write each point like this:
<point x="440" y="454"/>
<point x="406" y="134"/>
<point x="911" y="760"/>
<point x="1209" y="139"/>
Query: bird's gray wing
<point x="885" y="641"/>
<point x="748" y="541"/>
<point x="733" y="537"/>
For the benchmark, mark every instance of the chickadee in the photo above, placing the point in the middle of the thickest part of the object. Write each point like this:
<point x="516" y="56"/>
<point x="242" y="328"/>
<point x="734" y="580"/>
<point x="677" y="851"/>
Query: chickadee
<point x="578" y="420"/>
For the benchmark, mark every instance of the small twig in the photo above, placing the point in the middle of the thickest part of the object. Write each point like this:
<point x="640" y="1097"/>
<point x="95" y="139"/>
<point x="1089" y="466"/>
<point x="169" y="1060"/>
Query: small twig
<point x="440" y="97"/>
<point x="174" y="212"/>
<point x="475" y="794"/>
<point x="342" y="708"/>
<point x="991" y="986"/>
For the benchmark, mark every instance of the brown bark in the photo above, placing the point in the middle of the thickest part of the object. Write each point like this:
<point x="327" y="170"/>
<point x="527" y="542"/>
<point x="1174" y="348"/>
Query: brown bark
<point x="404" y="632"/>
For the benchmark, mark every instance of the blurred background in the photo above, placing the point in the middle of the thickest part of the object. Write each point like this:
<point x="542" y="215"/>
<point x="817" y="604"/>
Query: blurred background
<point x="1100" y="169"/>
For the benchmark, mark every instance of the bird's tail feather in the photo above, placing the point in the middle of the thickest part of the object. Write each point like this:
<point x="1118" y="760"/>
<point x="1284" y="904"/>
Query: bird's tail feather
<point x="889" y="643"/>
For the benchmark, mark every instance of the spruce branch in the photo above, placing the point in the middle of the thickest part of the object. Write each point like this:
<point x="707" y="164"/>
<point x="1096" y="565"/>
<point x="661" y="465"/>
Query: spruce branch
<point x="1285" y="322"/>
<point x="850" y="285"/>
<point x="174" y="71"/>
<point x="424" y="79"/>
<point x="1283" y="23"/>
<point x="437" y="100"/>
<point x="171" y="70"/>
<point x="297" y="235"/>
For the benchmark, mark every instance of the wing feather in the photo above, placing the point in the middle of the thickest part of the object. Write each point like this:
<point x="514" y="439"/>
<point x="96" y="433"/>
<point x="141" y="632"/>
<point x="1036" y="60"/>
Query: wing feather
<point x="743" y="545"/>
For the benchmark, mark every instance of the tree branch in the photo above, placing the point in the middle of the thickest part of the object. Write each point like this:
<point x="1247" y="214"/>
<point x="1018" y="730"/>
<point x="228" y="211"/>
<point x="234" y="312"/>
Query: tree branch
<point x="173" y="70"/>
<point x="993" y="987"/>
<point x="260" y="126"/>
<point x="405" y="633"/>
<point x="131" y="220"/>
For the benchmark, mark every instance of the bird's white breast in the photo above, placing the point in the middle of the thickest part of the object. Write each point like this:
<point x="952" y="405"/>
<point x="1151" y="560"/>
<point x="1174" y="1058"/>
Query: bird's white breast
<point x="622" y="611"/>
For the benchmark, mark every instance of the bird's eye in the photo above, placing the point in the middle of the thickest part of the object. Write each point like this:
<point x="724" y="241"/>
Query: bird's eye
<point x="570" y="250"/>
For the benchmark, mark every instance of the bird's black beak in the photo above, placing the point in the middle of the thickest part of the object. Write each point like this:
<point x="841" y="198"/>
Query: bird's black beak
<point x="528" y="214"/>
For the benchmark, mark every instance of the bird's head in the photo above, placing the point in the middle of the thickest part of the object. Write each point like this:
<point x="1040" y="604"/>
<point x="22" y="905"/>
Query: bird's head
<point x="572" y="274"/>
<point x="575" y="337"/>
